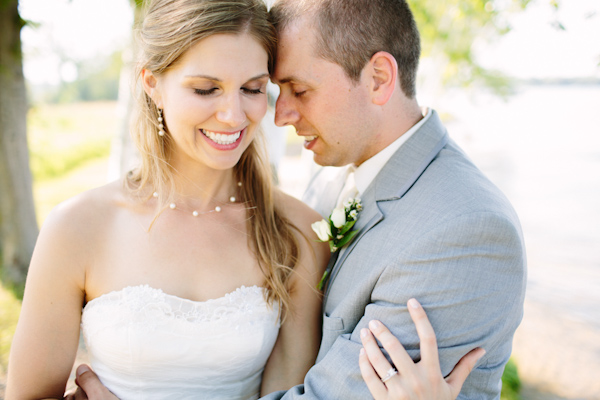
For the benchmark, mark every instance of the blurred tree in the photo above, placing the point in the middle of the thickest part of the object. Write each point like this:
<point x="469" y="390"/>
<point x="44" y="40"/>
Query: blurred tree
<point x="18" y="226"/>
<point x="97" y="80"/>
<point x="123" y="154"/>
<point x="448" y="30"/>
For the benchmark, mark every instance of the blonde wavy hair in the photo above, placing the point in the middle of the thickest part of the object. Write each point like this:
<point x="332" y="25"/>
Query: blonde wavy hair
<point x="168" y="30"/>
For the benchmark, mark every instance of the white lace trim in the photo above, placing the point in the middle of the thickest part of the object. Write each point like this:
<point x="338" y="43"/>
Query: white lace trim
<point x="151" y="307"/>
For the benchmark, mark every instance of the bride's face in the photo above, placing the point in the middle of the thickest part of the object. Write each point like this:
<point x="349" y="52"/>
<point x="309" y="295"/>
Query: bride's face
<point x="213" y="99"/>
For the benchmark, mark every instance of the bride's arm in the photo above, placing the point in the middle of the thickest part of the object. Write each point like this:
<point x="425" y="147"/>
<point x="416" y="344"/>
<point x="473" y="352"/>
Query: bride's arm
<point x="47" y="334"/>
<point x="298" y="342"/>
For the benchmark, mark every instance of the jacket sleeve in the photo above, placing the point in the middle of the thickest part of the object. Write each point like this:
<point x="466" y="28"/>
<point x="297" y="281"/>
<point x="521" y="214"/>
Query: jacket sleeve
<point x="469" y="275"/>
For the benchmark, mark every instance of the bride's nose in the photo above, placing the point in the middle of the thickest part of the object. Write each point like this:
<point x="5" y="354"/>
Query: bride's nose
<point x="230" y="111"/>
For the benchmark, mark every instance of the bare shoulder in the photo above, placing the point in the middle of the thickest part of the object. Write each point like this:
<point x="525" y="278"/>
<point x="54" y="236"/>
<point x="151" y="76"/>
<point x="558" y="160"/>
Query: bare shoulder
<point x="69" y="242"/>
<point x="83" y="217"/>
<point x="301" y="215"/>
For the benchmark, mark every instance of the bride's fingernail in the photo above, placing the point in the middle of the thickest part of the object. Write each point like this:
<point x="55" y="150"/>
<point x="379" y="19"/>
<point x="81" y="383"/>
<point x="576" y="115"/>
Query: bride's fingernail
<point x="364" y="332"/>
<point x="374" y="324"/>
<point x="482" y="351"/>
<point x="362" y="351"/>
<point x="413" y="303"/>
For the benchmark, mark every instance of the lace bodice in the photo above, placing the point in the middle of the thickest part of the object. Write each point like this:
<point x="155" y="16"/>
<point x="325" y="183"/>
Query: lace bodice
<point x="146" y="344"/>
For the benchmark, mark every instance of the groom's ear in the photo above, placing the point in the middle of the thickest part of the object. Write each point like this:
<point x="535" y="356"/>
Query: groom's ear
<point x="382" y="71"/>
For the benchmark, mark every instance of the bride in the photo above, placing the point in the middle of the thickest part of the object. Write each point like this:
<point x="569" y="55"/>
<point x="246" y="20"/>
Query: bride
<point x="194" y="276"/>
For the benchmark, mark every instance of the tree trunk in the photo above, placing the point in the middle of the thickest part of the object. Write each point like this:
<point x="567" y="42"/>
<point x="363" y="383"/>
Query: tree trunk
<point x="18" y="226"/>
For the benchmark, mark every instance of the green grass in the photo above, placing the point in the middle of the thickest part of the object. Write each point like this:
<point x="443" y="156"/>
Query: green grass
<point x="10" y="307"/>
<point x="63" y="137"/>
<point x="511" y="384"/>
<point x="69" y="145"/>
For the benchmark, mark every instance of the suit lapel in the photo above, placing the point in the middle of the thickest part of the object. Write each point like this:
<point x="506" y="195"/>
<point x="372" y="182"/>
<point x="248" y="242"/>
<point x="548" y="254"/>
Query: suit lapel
<point x="394" y="180"/>
<point x="410" y="161"/>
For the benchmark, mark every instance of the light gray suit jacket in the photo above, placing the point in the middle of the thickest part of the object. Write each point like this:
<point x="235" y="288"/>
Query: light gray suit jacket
<point x="435" y="228"/>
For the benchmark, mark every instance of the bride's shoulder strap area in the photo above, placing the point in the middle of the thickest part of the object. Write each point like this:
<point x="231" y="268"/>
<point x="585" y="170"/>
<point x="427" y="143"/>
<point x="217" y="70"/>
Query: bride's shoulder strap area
<point x="302" y="217"/>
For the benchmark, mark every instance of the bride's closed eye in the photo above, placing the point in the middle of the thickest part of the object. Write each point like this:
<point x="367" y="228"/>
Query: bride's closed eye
<point x="204" y="92"/>
<point x="208" y="92"/>
<point x="252" y="91"/>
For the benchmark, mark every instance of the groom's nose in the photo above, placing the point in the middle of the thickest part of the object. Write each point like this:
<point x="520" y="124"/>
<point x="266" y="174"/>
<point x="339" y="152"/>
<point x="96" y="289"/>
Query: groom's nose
<point x="285" y="111"/>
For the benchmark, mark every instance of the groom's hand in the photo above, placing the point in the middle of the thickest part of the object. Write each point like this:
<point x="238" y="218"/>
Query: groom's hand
<point x="409" y="380"/>
<point x="90" y="387"/>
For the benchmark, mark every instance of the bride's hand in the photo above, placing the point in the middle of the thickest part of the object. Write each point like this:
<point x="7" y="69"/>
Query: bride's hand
<point x="90" y="387"/>
<point x="421" y="380"/>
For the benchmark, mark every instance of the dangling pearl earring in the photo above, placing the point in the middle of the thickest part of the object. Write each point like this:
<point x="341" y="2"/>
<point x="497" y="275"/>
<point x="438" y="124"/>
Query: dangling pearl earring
<point x="161" y="126"/>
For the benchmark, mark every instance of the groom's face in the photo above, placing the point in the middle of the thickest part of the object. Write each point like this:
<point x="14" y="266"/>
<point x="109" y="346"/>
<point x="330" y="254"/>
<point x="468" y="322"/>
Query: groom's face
<point x="325" y="106"/>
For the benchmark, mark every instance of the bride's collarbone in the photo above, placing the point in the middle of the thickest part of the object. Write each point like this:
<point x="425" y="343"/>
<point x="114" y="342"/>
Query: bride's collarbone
<point x="175" y="230"/>
<point x="202" y="229"/>
<point x="197" y="260"/>
<point x="196" y="280"/>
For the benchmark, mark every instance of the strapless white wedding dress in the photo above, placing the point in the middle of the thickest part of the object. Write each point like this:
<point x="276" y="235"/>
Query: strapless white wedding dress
<point x="145" y="344"/>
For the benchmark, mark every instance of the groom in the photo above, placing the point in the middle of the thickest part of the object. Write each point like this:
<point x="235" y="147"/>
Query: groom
<point x="432" y="226"/>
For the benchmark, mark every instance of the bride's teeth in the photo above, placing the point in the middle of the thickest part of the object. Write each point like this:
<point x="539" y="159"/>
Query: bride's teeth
<point x="310" y="138"/>
<point x="220" y="138"/>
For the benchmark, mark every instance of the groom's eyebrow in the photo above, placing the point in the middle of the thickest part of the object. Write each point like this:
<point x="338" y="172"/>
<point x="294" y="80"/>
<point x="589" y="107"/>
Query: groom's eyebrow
<point x="289" y="79"/>
<point x="261" y="76"/>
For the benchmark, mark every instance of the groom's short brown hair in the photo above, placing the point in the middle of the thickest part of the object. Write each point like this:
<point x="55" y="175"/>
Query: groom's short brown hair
<point x="349" y="32"/>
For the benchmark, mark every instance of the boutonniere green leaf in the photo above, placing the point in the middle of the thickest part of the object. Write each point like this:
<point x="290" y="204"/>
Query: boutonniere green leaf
<point x="337" y="229"/>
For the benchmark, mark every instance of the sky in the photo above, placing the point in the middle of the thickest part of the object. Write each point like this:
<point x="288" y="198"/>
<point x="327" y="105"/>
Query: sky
<point x="536" y="48"/>
<point x="83" y="29"/>
<point x="76" y="29"/>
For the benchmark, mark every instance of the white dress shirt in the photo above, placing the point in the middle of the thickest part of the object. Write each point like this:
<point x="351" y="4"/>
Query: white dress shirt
<point x="367" y="171"/>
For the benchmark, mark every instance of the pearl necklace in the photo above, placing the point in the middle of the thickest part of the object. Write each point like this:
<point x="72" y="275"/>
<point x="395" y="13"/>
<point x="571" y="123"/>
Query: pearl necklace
<point x="195" y="213"/>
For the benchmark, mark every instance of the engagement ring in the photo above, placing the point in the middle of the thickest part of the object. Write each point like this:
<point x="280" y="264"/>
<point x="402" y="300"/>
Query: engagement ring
<point x="392" y="371"/>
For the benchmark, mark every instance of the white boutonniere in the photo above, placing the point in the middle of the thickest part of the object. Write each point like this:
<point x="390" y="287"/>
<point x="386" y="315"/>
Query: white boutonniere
<point x="337" y="229"/>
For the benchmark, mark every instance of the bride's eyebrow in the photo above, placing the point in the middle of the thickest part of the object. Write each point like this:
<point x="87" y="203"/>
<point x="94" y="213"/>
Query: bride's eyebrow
<point x="257" y="77"/>
<point x="215" y="79"/>
<point x="200" y="76"/>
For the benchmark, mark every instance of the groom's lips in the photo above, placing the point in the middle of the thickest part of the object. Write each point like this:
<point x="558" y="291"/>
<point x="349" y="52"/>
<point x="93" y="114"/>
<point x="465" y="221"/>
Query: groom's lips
<point x="309" y="142"/>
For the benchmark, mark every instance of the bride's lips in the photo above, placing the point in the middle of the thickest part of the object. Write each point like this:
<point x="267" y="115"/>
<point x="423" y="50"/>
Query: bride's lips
<point x="223" y="140"/>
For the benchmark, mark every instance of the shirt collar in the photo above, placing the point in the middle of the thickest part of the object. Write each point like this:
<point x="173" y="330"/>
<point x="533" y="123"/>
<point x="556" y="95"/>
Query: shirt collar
<point x="367" y="171"/>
